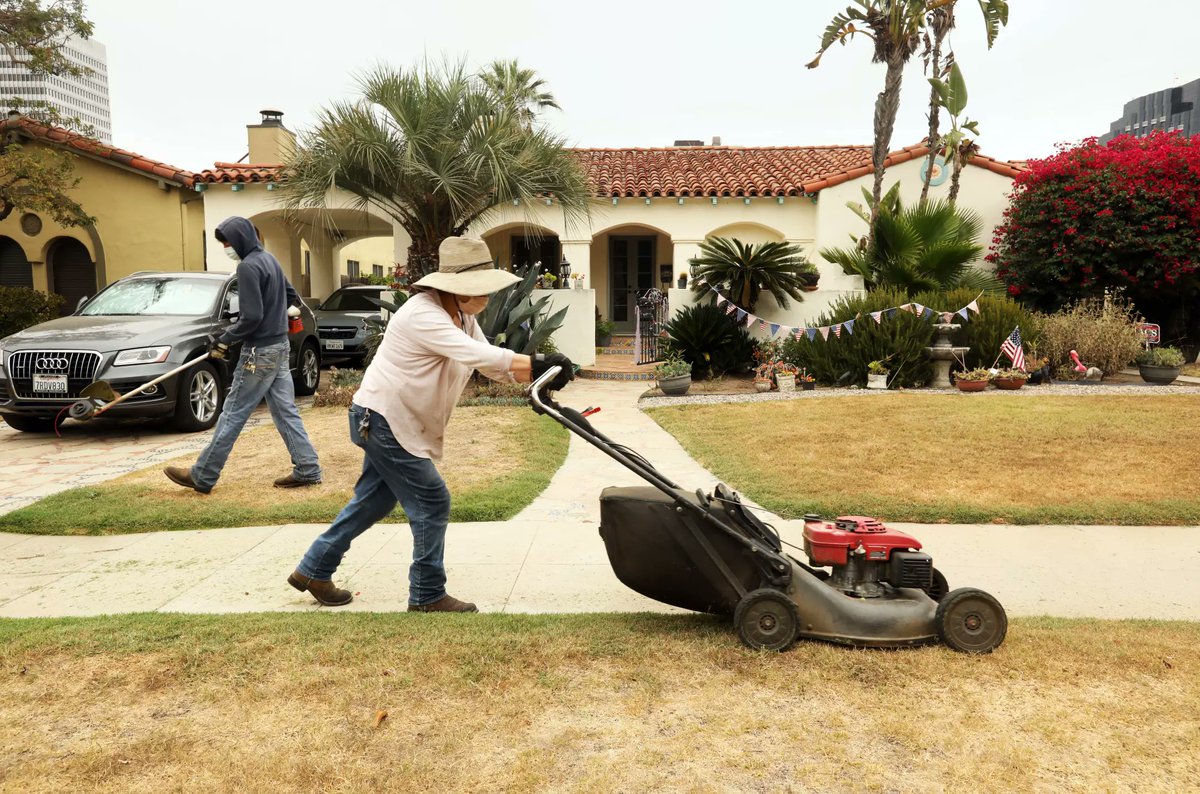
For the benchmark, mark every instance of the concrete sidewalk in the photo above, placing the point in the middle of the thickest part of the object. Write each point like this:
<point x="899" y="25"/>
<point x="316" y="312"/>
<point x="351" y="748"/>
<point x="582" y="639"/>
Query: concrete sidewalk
<point x="550" y="557"/>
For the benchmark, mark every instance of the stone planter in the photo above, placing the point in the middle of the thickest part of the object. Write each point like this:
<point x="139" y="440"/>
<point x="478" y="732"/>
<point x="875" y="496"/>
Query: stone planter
<point x="1159" y="376"/>
<point x="1009" y="383"/>
<point x="762" y="385"/>
<point x="971" y="385"/>
<point x="876" y="381"/>
<point x="675" y="386"/>
<point x="786" y="382"/>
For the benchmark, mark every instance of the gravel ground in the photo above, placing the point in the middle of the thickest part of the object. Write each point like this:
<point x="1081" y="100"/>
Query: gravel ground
<point x="1026" y="391"/>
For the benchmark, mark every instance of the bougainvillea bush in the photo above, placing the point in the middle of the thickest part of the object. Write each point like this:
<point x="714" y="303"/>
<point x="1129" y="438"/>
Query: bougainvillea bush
<point x="1125" y="217"/>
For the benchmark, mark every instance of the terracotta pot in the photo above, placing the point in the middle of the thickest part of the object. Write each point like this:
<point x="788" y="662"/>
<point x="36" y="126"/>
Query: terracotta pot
<point x="971" y="385"/>
<point x="1009" y="383"/>
<point x="809" y="287"/>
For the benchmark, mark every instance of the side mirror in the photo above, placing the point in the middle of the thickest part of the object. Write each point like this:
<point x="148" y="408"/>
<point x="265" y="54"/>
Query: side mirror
<point x="229" y="315"/>
<point x="81" y="303"/>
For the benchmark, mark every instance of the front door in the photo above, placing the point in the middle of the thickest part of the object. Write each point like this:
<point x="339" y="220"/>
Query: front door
<point x="630" y="273"/>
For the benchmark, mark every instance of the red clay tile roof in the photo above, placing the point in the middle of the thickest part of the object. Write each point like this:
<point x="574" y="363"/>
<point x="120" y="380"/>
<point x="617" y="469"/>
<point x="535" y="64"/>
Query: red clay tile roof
<point x="240" y="172"/>
<point x="73" y="140"/>
<point x="694" y="170"/>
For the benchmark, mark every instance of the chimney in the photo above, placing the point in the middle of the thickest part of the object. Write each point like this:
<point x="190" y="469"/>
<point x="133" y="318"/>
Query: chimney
<point x="688" y="143"/>
<point x="716" y="140"/>
<point x="270" y="142"/>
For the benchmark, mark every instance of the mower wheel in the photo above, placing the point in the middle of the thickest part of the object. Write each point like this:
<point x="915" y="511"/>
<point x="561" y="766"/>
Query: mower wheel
<point x="971" y="621"/>
<point x="767" y="620"/>
<point x="938" y="587"/>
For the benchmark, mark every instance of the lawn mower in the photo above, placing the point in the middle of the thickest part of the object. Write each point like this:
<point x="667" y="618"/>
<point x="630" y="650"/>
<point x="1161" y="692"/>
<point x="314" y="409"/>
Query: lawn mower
<point x="864" y="585"/>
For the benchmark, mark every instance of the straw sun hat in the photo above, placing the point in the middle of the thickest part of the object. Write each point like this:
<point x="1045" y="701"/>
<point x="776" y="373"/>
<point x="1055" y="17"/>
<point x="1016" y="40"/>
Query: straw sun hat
<point x="465" y="268"/>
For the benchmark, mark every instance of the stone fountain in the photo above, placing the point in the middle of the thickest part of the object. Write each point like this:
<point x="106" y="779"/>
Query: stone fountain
<point x="943" y="353"/>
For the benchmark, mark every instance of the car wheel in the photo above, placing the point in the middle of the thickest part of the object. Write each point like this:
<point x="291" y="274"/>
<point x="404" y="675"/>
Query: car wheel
<point x="308" y="370"/>
<point x="29" y="424"/>
<point x="199" y="401"/>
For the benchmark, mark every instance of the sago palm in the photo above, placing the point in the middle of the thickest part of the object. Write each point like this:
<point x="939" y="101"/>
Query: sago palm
<point x="748" y="270"/>
<point x="928" y="246"/>
<point x="435" y="149"/>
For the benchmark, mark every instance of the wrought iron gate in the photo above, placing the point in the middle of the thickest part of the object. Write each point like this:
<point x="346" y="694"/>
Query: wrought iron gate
<point x="651" y="319"/>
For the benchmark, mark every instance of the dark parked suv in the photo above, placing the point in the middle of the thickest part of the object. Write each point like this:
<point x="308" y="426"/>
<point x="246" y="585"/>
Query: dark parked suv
<point x="132" y="331"/>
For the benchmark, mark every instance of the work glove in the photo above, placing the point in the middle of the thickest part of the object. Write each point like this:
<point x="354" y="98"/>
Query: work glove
<point x="217" y="349"/>
<point x="544" y="361"/>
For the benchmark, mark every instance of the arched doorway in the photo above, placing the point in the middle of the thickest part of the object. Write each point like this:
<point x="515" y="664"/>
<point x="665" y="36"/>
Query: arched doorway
<point x="15" y="270"/>
<point x="72" y="272"/>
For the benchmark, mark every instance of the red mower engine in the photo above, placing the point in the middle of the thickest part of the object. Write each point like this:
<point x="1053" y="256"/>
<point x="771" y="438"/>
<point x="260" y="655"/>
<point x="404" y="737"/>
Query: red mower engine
<point x="863" y="553"/>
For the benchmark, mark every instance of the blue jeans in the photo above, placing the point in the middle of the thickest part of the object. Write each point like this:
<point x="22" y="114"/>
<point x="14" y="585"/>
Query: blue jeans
<point x="390" y="474"/>
<point x="270" y="378"/>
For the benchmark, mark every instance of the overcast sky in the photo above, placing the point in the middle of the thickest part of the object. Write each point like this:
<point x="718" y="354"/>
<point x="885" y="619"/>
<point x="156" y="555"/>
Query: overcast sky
<point x="186" y="76"/>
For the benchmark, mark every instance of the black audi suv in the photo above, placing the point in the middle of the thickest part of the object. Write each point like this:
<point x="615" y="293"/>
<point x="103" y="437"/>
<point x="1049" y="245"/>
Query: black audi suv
<point x="129" y="333"/>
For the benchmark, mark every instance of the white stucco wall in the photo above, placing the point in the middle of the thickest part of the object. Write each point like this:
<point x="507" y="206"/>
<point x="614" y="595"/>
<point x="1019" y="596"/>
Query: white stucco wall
<point x="576" y="338"/>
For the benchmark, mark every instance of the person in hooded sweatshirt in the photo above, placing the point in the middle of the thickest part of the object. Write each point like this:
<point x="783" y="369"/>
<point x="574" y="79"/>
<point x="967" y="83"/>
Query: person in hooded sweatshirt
<point x="262" y="370"/>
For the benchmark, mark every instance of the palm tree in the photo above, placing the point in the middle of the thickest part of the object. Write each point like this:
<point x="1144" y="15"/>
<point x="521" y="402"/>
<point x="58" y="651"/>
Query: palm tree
<point x="436" y="150"/>
<point x="929" y="246"/>
<point x="747" y="270"/>
<point x="519" y="88"/>
<point x="895" y="27"/>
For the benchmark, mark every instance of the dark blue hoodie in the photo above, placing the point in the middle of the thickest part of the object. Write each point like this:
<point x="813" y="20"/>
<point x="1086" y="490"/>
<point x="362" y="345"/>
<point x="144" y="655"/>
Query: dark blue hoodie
<point x="264" y="293"/>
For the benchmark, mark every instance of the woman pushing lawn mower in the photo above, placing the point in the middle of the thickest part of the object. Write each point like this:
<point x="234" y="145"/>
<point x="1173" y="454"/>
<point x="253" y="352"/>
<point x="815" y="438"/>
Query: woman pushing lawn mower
<point x="708" y="553"/>
<point x="399" y="416"/>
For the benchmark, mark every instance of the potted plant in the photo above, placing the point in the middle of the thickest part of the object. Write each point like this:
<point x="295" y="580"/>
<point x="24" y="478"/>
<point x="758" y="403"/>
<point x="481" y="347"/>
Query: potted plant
<point x="546" y="280"/>
<point x="785" y="376"/>
<point x="1160" y="365"/>
<point x="764" y="375"/>
<point x="972" y="379"/>
<point x="674" y="376"/>
<point x="807" y="382"/>
<point x="604" y="331"/>
<point x="1010" y="379"/>
<point x="681" y="282"/>
<point x="809" y="276"/>
<point x="877" y="373"/>
<point x="577" y="280"/>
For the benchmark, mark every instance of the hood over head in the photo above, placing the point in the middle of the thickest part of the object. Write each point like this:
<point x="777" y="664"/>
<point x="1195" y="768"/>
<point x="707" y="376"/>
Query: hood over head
<point x="240" y="234"/>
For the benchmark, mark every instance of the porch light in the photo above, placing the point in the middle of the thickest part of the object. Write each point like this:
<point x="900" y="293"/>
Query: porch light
<point x="693" y="268"/>
<point x="272" y="186"/>
<point x="779" y="199"/>
<point x="549" y="201"/>
<point x="516" y="202"/>
<point x="614" y="201"/>
<point x="236" y="186"/>
<point x="681" y="200"/>
<point x="647" y="199"/>
<point x="565" y="269"/>
<point x="746" y="200"/>
<point x="714" y="201"/>
<point x="201" y="187"/>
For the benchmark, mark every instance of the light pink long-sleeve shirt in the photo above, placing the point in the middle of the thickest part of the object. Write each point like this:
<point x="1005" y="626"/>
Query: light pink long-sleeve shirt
<point x="421" y="369"/>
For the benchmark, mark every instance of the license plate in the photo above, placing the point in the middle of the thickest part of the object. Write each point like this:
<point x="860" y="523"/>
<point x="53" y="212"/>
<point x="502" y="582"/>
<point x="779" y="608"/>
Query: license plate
<point x="335" y="344"/>
<point x="50" y="384"/>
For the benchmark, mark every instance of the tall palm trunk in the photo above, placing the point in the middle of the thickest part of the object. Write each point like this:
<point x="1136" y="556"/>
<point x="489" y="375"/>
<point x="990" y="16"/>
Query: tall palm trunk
<point x="887" y="104"/>
<point x="935" y="64"/>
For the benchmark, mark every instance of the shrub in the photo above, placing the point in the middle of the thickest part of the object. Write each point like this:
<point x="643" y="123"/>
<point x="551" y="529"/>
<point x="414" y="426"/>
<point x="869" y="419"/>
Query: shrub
<point x="343" y="383"/>
<point x="1093" y="218"/>
<point x="482" y="390"/>
<point x="1161" y="357"/>
<point x="1104" y="331"/>
<point x="900" y="339"/>
<point x="707" y="338"/>
<point x="673" y="367"/>
<point x="22" y="307"/>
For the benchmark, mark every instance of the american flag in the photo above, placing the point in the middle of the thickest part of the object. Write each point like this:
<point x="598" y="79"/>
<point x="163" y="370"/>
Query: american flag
<point x="1011" y="347"/>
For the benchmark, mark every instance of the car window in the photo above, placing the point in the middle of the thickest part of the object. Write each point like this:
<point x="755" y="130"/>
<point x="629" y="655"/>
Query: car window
<point x="351" y="301"/>
<point x="171" y="296"/>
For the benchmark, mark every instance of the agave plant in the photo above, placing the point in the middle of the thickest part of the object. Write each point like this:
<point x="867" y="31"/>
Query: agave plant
<point x="512" y="320"/>
<point x="747" y="270"/>
<point x="928" y="246"/>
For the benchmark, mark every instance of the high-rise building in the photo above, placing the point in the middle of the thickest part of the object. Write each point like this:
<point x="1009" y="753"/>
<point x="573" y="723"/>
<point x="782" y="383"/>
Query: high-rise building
<point x="1170" y="110"/>
<point x="84" y="98"/>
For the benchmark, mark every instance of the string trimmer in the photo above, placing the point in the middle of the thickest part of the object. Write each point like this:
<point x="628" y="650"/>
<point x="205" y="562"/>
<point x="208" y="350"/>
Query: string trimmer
<point x="99" y="396"/>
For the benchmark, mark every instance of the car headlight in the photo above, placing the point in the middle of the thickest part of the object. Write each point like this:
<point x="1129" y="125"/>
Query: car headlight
<point x="142" y="355"/>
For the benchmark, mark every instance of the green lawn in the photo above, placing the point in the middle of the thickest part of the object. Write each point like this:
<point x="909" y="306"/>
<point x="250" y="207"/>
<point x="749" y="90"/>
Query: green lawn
<point x="957" y="458"/>
<point x="497" y="461"/>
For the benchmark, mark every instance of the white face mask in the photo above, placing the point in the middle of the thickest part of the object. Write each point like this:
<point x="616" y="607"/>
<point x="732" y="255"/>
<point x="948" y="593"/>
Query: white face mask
<point x="232" y="254"/>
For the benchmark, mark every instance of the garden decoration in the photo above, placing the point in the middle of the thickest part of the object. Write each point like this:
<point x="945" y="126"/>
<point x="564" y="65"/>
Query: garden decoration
<point x="807" y="382"/>
<point x="1009" y="378"/>
<point x="1160" y="366"/>
<point x="943" y="353"/>
<point x="748" y="319"/>
<point x="877" y="373"/>
<point x="674" y="376"/>
<point x="972" y="379"/>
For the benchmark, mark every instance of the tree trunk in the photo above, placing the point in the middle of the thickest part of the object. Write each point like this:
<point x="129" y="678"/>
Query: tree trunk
<point x="934" y="118"/>
<point x="422" y="258"/>
<point x="886" y="106"/>
<point x="954" y="177"/>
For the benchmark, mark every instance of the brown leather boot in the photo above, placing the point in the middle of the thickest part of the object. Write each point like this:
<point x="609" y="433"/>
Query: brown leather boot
<point x="290" y="481"/>
<point x="324" y="590"/>
<point x="446" y="603"/>
<point x="181" y="476"/>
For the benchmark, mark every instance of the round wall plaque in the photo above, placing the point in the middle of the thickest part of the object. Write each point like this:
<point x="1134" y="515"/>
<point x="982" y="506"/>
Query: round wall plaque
<point x="31" y="224"/>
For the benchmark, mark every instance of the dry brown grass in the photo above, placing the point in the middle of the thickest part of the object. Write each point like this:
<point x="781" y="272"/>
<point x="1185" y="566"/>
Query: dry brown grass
<point x="1104" y="459"/>
<point x="586" y="703"/>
